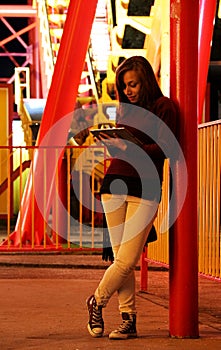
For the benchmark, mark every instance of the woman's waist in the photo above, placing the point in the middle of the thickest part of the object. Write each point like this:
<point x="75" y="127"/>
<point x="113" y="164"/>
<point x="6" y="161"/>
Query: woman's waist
<point x="135" y="186"/>
<point x="136" y="169"/>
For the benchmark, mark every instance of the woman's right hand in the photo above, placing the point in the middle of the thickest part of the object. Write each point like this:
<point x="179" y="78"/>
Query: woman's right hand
<point x="112" y="141"/>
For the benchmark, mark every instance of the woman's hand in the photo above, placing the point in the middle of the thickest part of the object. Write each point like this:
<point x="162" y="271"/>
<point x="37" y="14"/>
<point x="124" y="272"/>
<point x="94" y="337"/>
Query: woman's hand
<point x="81" y="136"/>
<point x="112" y="141"/>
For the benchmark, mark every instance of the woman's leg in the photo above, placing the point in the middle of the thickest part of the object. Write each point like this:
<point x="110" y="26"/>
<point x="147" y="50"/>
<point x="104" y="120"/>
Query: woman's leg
<point x="139" y="219"/>
<point x="128" y="223"/>
<point x="117" y="207"/>
<point x="105" y="289"/>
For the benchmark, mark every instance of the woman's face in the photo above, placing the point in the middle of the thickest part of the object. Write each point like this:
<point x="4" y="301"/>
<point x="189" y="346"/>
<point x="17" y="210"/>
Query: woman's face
<point x="132" y="85"/>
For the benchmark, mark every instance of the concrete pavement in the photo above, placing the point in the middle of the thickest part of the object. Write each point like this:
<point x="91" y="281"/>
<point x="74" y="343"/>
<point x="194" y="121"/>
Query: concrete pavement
<point x="43" y="306"/>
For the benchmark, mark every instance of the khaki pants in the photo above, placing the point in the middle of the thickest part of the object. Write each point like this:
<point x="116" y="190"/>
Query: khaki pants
<point x="129" y="220"/>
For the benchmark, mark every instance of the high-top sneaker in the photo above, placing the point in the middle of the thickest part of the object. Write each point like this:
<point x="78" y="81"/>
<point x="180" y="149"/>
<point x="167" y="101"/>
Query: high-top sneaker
<point x="127" y="329"/>
<point x="95" y="323"/>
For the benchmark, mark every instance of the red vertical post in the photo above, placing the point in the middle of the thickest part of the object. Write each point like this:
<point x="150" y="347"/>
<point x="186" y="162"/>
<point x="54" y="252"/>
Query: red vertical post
<point x="59" y="207"/>
<point x="183" y="275"/>
<point x="143" y="270"/>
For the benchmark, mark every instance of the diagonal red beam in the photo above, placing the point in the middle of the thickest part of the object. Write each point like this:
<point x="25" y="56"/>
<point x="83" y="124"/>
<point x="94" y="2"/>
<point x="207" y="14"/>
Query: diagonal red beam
<point x="16" y="35"/>
<point x="13" y="32"/>
<point x="16" y="173"/>
<point x="10" y="55"/>
<point x="55" y="124"/>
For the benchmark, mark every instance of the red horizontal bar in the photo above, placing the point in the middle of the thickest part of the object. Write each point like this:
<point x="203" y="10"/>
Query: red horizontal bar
<point x="12" y="54"/>
<point x="17" y="11"/>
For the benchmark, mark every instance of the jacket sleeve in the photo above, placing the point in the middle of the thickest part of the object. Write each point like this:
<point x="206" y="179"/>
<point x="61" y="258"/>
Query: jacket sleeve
<point x="163" y="147"/>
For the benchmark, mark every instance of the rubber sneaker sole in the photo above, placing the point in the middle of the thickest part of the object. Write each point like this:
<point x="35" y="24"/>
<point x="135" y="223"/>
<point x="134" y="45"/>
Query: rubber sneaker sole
<point x="121" y="336"/>
<point x="96" y="332"/>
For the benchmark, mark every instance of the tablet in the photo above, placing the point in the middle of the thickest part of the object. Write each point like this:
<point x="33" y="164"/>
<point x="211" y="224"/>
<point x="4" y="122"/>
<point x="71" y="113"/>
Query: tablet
<point x="119" y="132"/>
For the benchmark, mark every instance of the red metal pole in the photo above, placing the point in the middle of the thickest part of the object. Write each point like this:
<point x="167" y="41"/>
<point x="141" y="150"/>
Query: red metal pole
<point x="59" y="207"/>
<point x="183" y="278"/>
<point x="207" y="12"/>
<point x="56" y="121"/>
<point x="143" y="270"/>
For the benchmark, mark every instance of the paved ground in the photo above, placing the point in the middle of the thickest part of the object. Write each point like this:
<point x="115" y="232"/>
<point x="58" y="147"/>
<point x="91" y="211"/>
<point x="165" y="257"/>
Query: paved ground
<point x="43" y="297"/>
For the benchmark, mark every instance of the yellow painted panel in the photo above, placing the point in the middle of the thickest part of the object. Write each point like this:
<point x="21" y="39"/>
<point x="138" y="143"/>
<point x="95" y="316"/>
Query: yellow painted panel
<point x="4" y="117"/>
<point x="4" y="108"/>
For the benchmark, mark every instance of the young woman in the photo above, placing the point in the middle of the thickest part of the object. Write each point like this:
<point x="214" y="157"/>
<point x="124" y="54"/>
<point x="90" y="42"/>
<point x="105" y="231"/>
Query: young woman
<point x="131" y="189"/>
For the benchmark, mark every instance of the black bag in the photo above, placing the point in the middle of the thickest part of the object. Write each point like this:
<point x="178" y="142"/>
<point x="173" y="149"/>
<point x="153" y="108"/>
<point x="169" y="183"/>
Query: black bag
<point x="107" y="253"/>
<point x="152" y="237"/>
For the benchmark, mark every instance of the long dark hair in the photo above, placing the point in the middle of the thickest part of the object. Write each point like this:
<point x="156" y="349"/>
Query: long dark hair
<point x="150" y="90"/>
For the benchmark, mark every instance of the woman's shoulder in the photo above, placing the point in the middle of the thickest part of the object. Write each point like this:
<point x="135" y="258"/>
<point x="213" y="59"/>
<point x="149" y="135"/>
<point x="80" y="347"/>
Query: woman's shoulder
<point x="164" y="103"/>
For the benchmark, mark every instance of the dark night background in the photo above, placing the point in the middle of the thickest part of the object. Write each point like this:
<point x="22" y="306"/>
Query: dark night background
<point x="6" y="65"/>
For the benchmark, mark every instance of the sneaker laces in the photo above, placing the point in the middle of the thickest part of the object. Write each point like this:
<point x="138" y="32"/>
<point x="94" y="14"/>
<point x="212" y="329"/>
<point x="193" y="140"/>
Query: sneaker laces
<point x="125" y="326"/>
<point x="96" y="319"/>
